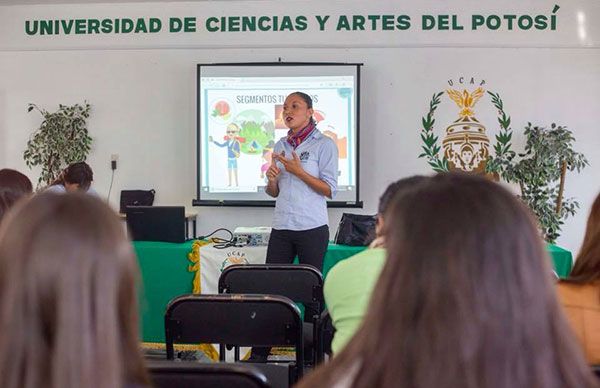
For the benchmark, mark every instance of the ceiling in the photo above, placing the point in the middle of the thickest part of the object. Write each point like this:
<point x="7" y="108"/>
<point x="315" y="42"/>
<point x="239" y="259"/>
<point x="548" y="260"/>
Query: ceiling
<point x="50" y="2"/>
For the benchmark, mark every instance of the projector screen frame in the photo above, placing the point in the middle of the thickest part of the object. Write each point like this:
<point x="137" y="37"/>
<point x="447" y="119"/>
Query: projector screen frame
<point x="271" y="203"/>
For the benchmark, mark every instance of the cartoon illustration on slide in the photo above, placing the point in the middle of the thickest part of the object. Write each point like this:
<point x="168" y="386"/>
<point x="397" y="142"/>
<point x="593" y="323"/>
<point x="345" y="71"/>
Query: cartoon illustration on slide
<point x="233" y="144"/>
<point x="278" y="117"/>
<point x="266" y="156"/>
<point x="345" y="92"/>
<point x="257" y="129"/>
<point x="253" y="147"/>
<point x="318" y="115"/>
<point x="221" y="111"/>
<point x="340" y="142"/>
<point x="330" y="131"/>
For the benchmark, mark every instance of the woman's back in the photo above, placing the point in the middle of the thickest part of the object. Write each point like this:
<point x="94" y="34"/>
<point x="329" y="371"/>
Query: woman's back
<point x="465" y="299"/>
<point x="581" y="303"/>
<point x="68" y="305"/>
<point x="580" y="292"/>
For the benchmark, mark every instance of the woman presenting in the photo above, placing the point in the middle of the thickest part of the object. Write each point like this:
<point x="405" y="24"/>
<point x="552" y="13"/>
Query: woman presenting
<point x="302" y="175"/>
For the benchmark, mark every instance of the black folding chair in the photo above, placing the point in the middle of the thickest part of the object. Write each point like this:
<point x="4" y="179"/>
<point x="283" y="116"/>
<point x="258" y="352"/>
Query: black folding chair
<point x="238" y="320"/>
<point x="327" y="332"/>
<point x="301" y="283"/>
<point x="170" y="374"/>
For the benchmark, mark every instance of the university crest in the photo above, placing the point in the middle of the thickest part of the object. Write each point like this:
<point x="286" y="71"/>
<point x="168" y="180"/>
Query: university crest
<point x="234" y="257"/>
<point x="466" y="144"/>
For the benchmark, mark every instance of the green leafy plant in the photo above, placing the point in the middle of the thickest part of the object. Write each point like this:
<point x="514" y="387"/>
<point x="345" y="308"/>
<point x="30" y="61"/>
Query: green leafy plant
<point x="61" y="139"/>
<point x="430" y="145"/>
<point x="502" y="149"/>
<point x="540" y="172"/>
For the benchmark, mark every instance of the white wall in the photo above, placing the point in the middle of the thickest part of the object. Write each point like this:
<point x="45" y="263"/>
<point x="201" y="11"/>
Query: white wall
<point x="143" y="104"/>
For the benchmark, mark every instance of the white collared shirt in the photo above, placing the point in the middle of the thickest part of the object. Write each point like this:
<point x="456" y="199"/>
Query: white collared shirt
<point x="299" y="207"/>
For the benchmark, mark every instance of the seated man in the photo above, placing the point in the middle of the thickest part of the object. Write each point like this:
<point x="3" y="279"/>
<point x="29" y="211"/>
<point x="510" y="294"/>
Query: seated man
<point x="76" y="177"/>
<point x="349" y="284"/>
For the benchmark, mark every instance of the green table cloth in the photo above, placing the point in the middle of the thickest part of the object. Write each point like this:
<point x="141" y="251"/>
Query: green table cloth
<point x="562" y="260"/>
<point x="165" y="275"/>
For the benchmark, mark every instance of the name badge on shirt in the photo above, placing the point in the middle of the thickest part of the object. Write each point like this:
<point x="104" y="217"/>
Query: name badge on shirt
<point x="304" y="156"/>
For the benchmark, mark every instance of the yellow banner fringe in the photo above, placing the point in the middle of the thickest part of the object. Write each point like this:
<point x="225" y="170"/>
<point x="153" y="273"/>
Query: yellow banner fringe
<point x="194" y="257"/>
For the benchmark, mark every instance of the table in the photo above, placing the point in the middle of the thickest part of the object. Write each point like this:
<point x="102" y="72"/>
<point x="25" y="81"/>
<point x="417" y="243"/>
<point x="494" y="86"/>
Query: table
<point x="165" y="275"/>
<point x="164" y="272"/>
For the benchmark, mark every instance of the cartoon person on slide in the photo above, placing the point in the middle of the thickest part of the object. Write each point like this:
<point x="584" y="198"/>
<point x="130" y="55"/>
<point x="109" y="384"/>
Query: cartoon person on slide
<point x="232" y="142"/>
<point x="266" y="156"/>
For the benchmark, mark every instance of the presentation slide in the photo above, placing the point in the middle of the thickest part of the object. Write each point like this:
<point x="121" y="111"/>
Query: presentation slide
<point x="240" y="120"/>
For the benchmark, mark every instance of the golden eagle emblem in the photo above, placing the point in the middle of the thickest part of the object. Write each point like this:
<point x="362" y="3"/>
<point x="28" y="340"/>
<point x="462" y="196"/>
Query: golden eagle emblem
<point x="465" y="100"/>
<point x="466" y="145"/>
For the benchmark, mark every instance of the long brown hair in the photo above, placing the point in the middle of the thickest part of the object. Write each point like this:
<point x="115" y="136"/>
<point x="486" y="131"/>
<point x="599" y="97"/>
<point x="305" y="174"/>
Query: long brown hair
<point x="68" y="303"/>
<point x="465" y="299"/>
<point x="587" y="265"/>
<point x="13" y="186"/>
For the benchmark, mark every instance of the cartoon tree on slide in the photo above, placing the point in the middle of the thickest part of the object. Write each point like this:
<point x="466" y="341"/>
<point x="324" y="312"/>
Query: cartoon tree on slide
<point x="258" y="130"/>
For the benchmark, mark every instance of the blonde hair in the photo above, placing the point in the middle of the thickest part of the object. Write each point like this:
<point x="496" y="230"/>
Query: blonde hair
<point x="233" y="127"/>
<point x="68" y="303"/>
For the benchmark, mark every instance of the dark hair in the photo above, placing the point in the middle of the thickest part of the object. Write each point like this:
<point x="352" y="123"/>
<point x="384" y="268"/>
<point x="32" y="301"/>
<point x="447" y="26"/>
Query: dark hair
<point x="80" y="173"/>
<point x="396" y="187"/>
<point x="305" y="97"/>
<point x="68" y="300"/>
<point x="587" y="265"/>
<point x="13" y="186"/>
<point x="464" y="299"/>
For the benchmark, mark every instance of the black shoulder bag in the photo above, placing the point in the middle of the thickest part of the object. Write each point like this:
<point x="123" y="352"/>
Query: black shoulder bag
<point x="135" y="198"/>
<point x="356" y="229"/>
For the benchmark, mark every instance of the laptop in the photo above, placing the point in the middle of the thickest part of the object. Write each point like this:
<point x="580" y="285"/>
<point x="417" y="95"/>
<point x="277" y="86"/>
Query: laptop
<point x="156" y="223"/>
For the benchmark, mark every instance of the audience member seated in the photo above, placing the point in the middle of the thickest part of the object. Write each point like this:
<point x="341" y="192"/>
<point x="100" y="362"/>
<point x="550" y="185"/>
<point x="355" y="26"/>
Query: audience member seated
<point x="76" y="177"/>
<point x="349" y="284"/>
<point x="68" y="303"/>
<point x="464" y="299"/>
<point x="580" y="293"/>
<point x="13" y="186"/>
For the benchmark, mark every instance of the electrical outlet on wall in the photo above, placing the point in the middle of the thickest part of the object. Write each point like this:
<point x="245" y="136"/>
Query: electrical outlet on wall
<point x="113" y="161"/>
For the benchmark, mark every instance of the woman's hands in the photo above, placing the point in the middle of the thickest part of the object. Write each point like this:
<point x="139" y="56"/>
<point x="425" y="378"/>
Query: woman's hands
<point x="293" y="166"/>
<point x="273" y="171"/>
<point x="272" y="177"/>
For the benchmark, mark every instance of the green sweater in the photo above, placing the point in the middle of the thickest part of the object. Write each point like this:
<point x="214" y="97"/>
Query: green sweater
<point x="347" y="290"/>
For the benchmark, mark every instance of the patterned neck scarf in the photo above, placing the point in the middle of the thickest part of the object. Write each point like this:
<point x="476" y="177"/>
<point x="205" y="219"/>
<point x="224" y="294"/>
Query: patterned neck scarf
<point x="296" y="139"/>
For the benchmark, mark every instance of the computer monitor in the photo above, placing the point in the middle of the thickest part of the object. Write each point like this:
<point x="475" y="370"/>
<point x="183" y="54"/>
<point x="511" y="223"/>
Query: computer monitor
<point x="156" y="223"/>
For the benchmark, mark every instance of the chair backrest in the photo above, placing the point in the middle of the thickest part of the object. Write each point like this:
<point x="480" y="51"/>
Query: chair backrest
<point x="301" y="283"/>
<point x="240" y="320"/>
<point x="170" y="374"/>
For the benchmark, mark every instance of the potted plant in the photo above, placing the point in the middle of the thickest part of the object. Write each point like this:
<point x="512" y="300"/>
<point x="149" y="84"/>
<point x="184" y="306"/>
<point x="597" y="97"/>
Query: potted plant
<point x="61" y="139"/>
<point x="540" y="172"/>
